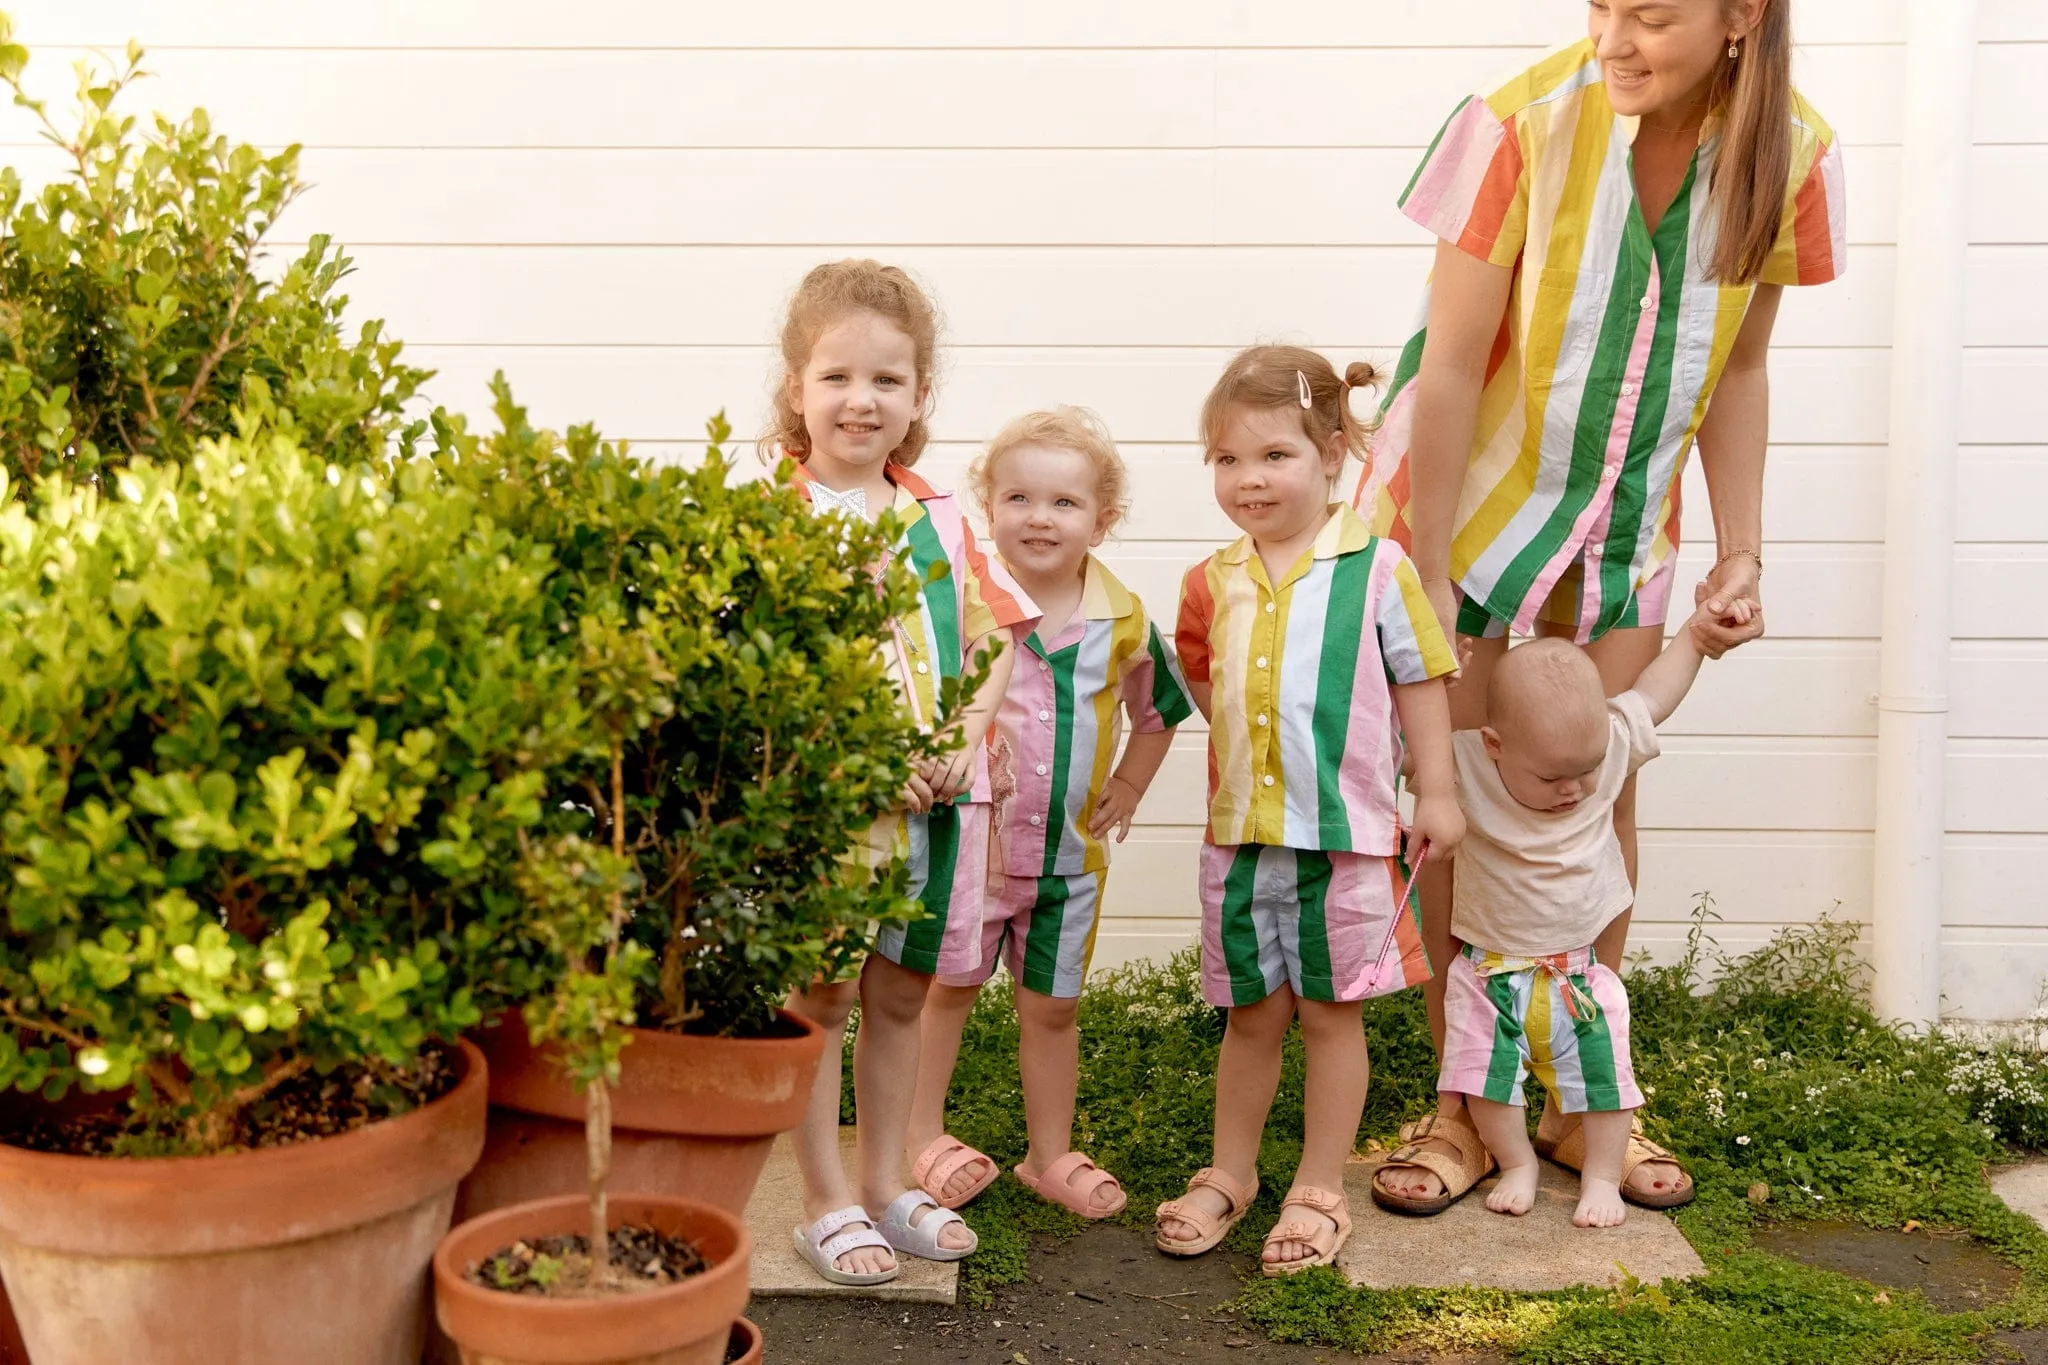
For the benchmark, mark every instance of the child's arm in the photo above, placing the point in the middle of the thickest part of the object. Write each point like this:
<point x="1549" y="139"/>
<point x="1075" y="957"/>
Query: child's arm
<point x="1425" y="711"/>
<point x="1143" y="754"/>
<point x="953" y="773"/>
<point x="1669" y="677"/>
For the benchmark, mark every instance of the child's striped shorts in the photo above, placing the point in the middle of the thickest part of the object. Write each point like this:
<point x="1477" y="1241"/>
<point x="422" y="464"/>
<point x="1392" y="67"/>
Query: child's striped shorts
<point x="1329" y="925"/>
<point x="1564" y="1017"/>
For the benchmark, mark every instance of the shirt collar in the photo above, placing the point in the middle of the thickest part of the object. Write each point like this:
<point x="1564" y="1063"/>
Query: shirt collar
<point x="1344" y="533"/>
<point x="1103" y="598"/>
<point x="910" y="489"/>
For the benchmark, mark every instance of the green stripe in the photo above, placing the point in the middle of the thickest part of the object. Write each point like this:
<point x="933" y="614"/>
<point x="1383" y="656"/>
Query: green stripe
<point x="1169" y="698"/>
<point x="1344" y="623"/>
<point x="922" y="938"/>
<point x="1504" y="1070"/>
<point x="1042" y="943"/>
<point x="1062" y="746"/>
<point x="1430" y="155"/>
<point x="1596" y="1057"/>
<point x="1240" y="936"/>
<point x="941" y="594"/>
<point x="1632" y="492"/>
<point x="1312" y="886"/>
<point x="1406" y="367"/>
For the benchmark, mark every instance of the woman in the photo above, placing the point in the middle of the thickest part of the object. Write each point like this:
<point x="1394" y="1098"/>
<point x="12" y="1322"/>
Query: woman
<point x="1617" y="224"/>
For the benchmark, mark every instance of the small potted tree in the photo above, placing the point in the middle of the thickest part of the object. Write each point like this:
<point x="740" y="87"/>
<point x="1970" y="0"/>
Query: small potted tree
<point x="777" y="739"/>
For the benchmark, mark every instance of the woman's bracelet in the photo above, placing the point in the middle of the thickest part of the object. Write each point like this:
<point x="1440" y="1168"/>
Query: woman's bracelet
<point x="1738" y="554"/>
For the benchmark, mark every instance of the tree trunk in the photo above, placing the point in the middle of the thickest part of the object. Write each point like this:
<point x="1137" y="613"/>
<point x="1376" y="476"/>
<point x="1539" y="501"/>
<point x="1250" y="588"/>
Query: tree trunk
<point x="597" y="1137"/>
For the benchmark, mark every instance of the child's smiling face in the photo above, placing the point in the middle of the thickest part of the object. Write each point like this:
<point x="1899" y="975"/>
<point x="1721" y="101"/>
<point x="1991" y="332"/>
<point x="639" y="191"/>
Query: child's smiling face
<point x="1046" y="511"/>
<point x="1271" y="479"/>
<point x="858" y="394"/>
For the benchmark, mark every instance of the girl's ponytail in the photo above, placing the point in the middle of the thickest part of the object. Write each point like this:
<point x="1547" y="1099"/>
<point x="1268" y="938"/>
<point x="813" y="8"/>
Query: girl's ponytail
<point x="1755" y="157"/>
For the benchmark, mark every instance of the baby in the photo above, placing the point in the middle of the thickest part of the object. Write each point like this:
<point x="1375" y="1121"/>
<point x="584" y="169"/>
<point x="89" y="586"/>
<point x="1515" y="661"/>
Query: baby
<point x="1540" y="874"/>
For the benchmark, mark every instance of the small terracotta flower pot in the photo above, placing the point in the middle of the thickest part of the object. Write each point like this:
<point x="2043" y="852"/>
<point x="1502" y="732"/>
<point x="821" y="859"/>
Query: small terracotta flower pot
<point x="688" y="1323"/>
<point x="692" y="1118"/>
<point x="313" y="1252"/>
<point x="746" y="1338"/>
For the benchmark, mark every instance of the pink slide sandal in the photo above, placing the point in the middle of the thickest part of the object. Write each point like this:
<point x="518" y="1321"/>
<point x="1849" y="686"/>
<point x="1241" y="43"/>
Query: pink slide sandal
<point x="944" y="1159"/>
<point x="1058" y="1186"/>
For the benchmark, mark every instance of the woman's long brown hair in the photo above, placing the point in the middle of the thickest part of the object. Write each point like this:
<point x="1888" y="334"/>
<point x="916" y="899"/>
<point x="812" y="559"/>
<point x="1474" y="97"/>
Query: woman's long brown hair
<point x="1755" y="157"/>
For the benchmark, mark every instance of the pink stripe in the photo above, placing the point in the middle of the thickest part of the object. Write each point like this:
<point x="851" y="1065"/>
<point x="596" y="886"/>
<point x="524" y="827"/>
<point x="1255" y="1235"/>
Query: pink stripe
<point x="1601" y="509"/>
<point x="1455" y="174"/>
<point x="1365" y="778"/>
<point x="1469" y="1023"/>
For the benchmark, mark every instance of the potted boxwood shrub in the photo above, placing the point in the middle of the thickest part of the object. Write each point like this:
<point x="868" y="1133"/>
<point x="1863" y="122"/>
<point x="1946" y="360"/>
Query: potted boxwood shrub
<point x="270" y="724"/>
<point x="776" y="740"/>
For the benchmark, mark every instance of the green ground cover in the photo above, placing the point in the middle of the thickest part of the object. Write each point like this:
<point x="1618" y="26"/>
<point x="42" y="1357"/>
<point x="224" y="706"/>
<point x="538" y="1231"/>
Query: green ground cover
<point x="1787" y="1096"/>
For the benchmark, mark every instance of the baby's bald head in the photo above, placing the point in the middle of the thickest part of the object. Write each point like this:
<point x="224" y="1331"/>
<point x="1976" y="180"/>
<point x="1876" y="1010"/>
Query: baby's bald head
<point x="1547" y="718"/>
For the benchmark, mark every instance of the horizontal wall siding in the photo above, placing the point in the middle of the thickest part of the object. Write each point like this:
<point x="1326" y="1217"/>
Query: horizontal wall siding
<point x="610" y="203"/>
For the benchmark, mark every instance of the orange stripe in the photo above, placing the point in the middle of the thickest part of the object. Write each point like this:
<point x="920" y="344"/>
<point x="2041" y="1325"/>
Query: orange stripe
<point x="1495" y="196"/>
<point x="1007" y="607"/>
<point x="1812" y="230"/>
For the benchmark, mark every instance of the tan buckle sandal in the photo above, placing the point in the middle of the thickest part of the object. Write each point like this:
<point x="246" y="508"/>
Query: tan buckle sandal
<point x="1210" y="1228"/>
<point x="1569" y="1152"/>
<point x="1326" y="1240"/>
<point x="1472" y="1164"/>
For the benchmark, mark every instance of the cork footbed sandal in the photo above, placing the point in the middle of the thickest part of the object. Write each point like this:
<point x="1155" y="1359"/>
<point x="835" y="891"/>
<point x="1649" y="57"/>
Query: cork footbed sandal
<point x="1327" y="1241"/>
<point x="1210" y="1228"/>
<point x="1569" y="1152"/>
<point x="1459" y="1173"/>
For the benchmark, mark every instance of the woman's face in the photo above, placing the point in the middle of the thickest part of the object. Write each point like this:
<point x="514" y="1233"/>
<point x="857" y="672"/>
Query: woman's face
<point x="1661" y="56"/>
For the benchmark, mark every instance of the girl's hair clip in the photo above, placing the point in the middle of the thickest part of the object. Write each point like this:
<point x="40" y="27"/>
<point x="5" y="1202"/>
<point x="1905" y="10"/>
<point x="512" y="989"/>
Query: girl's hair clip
<point x="1307" y="399"/>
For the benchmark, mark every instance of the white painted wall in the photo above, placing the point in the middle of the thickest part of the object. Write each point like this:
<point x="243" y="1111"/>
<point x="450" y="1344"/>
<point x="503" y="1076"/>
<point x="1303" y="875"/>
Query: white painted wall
<point x="611" y="199"/>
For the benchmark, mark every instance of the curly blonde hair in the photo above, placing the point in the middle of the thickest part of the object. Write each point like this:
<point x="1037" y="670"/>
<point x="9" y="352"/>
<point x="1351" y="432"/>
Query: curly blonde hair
<point x="1062" y="428"/>
<point x="829" y="293"/>
<point x="1273" y="376"/>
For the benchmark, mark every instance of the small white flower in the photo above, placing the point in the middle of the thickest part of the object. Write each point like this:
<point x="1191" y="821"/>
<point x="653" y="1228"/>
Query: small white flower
<point x="1742" y="1140"/>
<point x="93" y="1062"/>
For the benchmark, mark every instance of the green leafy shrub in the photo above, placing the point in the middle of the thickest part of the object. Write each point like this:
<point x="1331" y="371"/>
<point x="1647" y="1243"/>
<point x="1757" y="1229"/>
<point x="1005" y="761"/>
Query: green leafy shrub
<point x="731" y="644"/>
<point x="271" y="731"/>
<point x="135" y="313"/>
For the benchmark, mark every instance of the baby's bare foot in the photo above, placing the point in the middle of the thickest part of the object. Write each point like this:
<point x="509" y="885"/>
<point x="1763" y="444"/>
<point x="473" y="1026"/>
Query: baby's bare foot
<point x="1516" y="1192"/>
<point x="1600" y="1205"/>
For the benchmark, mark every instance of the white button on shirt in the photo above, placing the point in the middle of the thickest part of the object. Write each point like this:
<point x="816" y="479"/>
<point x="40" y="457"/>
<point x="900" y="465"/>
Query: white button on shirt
<point x="1262" y="661"/>
<point x="1043" y="770"/>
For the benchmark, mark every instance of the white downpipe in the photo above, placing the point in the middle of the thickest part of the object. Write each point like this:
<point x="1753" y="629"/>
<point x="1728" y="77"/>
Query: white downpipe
<point x="1920" y="497"/>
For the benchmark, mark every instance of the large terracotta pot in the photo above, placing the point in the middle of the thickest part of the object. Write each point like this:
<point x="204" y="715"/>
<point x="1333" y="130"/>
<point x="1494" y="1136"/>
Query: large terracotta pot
<point x="681" y="1324"/>
<point x="692" y="1117"/>
<point x="316" y="1252"/>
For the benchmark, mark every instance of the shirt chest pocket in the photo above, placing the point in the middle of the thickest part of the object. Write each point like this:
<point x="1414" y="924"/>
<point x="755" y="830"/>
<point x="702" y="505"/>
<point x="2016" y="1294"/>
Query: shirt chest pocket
<point x="1710" y="314"/>
<point x="1564" y="326"/>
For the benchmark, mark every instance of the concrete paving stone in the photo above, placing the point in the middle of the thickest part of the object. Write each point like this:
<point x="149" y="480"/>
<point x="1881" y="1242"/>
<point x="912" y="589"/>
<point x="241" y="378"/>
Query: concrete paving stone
<point x="1467" y="1244"/>
<point x="2024" y="1188"/>
<point x="780" y="1269"/>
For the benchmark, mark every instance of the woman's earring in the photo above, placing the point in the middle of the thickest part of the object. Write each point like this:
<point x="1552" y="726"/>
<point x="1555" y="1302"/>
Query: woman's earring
<point x="1734" y="51"/>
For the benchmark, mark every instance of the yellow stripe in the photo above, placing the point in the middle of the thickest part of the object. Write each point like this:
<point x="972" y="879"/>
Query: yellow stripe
<point x="1228" y="732"/>
<point x="1537" y="1030"/>
<point x="1437" y="655"/>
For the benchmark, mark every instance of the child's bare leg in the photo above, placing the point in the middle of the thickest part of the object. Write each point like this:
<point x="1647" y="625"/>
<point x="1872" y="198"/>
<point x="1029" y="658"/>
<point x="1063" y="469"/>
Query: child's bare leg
<point x="1600" y="1203"/>
<point x="1247" y="1075"/>
<point x="945" y="1017"/>
<point x="1333" y="1103"/>
<point x="1049" y="1058"/>
<point x="817" y="1134"/>
<point x="1505" y="1130"/>
<point x="884" y="1080"/>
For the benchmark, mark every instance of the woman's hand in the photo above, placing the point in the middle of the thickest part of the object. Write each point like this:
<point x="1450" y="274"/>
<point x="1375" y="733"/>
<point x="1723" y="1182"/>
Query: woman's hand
<point x="1735" y="579"/>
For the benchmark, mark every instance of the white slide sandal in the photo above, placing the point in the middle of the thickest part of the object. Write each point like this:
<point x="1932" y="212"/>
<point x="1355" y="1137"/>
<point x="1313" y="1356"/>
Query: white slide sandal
<point x="837" y="1233"/>
<point x="922" y="1239"/>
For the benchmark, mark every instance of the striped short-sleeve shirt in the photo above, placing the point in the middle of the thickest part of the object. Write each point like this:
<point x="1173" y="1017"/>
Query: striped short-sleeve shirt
<point x="965" y="595"/>
<point x="1304" y="742"/>
<point x="1614" y="338"/>
<point x="1061" y="721"/>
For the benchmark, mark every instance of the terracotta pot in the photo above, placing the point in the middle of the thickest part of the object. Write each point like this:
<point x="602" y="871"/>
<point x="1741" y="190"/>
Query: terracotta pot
<point x="746" y="1339"/>
<point x="681" y="1324"/>
<point x="309" y="1253"/>
<point x="692" y="1118"/>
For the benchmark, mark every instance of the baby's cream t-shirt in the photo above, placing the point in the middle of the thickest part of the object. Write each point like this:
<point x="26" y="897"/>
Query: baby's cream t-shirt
<point x="1532" y="882"/>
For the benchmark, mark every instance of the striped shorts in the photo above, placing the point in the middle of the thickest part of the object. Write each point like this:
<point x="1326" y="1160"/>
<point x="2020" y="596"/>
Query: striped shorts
<point x="1042" y="929"/>
<point x="948" y="852"/>
<point x="1564" y="1017"/>
<point x="1331" y="926"/>
<point x="1649" y="605"/>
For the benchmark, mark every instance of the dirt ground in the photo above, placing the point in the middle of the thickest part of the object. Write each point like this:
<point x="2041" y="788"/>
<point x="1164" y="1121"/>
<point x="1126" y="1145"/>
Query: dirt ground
<point x="1168" y="1310"/>
<point x="1160" y="1310"/>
